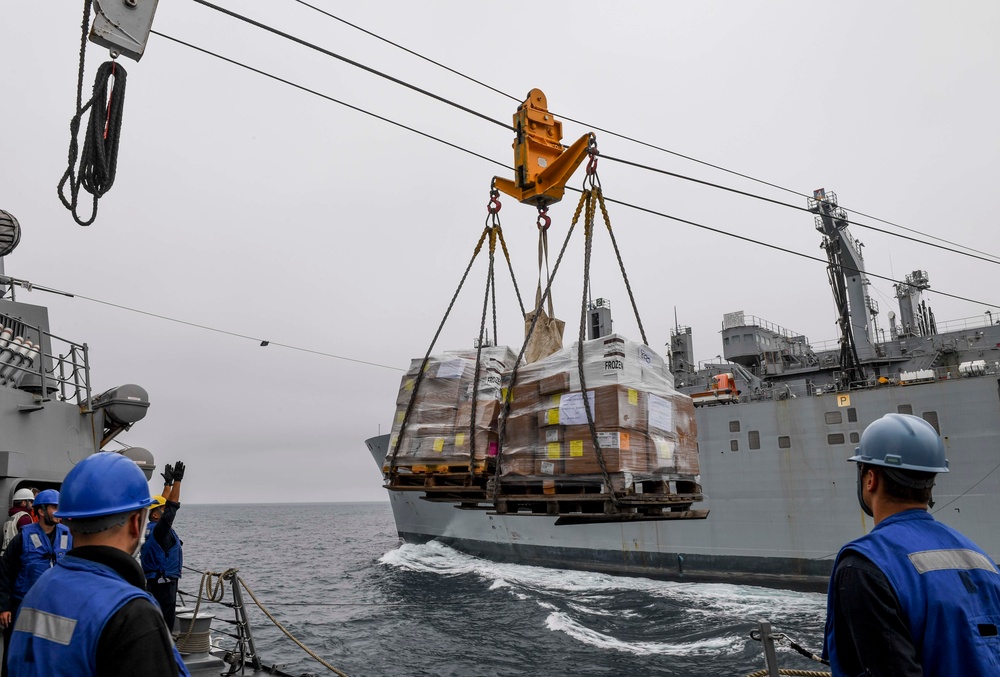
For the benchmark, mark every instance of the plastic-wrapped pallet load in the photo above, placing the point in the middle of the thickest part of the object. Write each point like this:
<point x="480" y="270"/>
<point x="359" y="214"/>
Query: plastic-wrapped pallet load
<point x="439" y="430"/>
<point x="644" y="427"/>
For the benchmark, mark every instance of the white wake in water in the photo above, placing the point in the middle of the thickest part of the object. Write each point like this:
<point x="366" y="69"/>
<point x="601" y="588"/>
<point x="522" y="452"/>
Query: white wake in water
<point x="584" y="596"/>
<point x="562" y="622"/>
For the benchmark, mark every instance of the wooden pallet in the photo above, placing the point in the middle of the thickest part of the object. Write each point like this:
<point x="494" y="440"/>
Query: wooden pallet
<point x="568" y="520"/>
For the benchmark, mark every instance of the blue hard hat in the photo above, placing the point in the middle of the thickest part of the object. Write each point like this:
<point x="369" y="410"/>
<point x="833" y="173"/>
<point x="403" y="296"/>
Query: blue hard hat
<point x="103" y="484"/>
<point x="904" y="442"/>
<point x="47" y="497"/>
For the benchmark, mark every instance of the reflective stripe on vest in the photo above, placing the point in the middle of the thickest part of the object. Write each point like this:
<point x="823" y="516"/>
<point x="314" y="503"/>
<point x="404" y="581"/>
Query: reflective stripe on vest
<point x="38" y="555"/>
<point x="941" y="560"/>
<point x="52" y="627"/>
<point x="947" y="588"/>
<point x="61" y="620"/>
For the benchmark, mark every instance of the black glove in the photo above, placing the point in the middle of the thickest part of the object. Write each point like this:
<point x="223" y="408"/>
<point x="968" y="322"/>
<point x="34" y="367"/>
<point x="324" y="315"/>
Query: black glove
<point x="178" y="471"/>
<point x="168" y="474"/>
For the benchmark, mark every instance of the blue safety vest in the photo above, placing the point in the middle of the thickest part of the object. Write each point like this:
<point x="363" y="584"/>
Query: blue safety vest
<point x="159" y="564"/>
<point x="38" y="555"/>
<point x="61" y="620"/>
<point x="948" y="590"/>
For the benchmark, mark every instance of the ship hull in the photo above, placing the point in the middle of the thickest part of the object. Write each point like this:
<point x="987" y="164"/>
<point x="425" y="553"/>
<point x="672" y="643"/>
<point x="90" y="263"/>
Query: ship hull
<point x="780" y="494"/>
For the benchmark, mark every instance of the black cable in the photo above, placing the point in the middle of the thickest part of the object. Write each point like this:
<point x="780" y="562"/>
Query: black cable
<point x="329" y="98"/>
<point x="624" y="204"/>
<point x="638" y="165"/>
<point x="632" y="139"/>
<point x="410" y="51"/>
<point x="784" y="249"/>
<point x="351" y="62"/>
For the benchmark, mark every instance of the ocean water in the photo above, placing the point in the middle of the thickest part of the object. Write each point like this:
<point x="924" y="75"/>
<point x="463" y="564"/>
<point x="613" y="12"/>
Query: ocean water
<point x="338" y="578"/>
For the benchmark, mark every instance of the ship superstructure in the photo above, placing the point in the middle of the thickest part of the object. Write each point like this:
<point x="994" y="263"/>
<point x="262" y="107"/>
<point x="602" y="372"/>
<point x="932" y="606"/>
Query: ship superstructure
<point x="780" y="418"/>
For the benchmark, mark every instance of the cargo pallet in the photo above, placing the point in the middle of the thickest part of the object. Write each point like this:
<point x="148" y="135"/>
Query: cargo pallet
<point x="576" y="499"/>
<point x="586" y="499"/>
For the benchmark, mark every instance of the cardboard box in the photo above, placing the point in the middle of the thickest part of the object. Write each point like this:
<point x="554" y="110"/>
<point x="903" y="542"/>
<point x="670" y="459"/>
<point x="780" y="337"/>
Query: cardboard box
<point x="623" y="451"/>
<point x="554" y="383"/>
<point x="487" y="413"/>
<point x="519" y="464"/>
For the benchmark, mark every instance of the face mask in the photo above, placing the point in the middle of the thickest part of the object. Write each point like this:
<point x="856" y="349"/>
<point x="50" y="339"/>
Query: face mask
<point x="142" y="534"/>
<point x="861" y="500"/>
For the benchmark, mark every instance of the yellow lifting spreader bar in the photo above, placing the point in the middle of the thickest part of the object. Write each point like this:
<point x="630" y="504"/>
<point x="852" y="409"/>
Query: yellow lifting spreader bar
<point x="541" y="165"/>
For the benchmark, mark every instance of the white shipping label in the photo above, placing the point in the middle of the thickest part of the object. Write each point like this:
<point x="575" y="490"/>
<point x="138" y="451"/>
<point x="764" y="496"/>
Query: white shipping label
<point x="608" y="440"/>
<point x="645" y="357"/>
<point x="552" y="435"/>
<point x="547" y="467"/>
<point x="571" y="411"/>
<point x="451" y="369"/>
<point x="661" y="413"/>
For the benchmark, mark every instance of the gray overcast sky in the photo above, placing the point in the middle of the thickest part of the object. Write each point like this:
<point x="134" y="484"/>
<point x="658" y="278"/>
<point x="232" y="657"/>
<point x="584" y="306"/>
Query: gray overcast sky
<point x="245" y="205"/>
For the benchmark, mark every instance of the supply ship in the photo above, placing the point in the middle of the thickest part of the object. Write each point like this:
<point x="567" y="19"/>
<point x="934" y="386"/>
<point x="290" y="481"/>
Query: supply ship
<point x="776" y="419"/>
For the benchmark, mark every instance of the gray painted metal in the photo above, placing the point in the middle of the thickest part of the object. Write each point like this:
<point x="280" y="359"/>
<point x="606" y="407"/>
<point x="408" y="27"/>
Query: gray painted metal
<point x="47" y="425"/>
<point x="781" y="495"/>
<point x="778" y="516"/>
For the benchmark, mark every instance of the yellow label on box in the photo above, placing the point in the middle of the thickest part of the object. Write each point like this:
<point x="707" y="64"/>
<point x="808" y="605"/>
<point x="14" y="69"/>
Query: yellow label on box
<point x="554" y="450"/>
<point x="409" y="384"/>
<point x="459" y="439"/>
<point x="438" y="444"/>
<point x="400" y="415"/>
<point x="576" y="448"/>
<point x="633" y="396"/>
<point x="503" y="394"/>
<point x="552" y="416"/>
<point x="664" y="448"/>
<point x="555" y="400"/>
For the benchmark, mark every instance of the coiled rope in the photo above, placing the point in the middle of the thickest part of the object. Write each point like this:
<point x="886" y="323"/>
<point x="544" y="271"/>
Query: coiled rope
<point x="99" y="158"/>
<point x="790" y="671"/>
<point x="216" y="594"/>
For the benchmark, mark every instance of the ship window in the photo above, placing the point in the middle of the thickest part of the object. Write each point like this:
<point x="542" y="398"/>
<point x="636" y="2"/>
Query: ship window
<point x="834" y="417"/>
<point x="754" y="437"/>
<point x="852" y="415"/>
<point x="736" y="338"/>
<point x="734" y="426"/>
<point x="932" y="418"/>
<point x="835" y="438"/>
<point x="734" y="445"/>
<point x="725" y="342"/>
<point x="855" y="438"/>
<point x="748" y="338"/>
<point x="784" y="442"/>
<point x="904" y="409"/>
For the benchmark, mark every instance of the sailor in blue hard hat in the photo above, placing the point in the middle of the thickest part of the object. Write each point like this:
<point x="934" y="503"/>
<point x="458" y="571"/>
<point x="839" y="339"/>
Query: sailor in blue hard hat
<point x="90" y="614"/>
<point x="914" y="596"/>
<point x="31" y="553"/>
